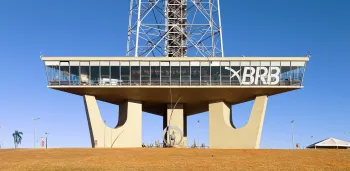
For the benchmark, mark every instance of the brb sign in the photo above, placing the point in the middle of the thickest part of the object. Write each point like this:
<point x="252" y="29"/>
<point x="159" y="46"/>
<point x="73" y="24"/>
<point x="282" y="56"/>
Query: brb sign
<point x="252" y="75"/>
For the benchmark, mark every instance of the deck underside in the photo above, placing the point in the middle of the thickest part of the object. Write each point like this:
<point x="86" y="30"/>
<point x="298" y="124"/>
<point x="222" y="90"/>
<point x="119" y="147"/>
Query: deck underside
<point x="194" y="99"/>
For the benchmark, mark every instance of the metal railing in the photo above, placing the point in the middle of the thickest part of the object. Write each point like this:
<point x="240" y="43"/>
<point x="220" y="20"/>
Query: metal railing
<point x="167" y="82"/>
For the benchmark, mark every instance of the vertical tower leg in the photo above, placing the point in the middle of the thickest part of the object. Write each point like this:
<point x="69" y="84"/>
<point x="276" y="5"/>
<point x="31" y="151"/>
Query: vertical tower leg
<point x="128" y="131"/>
<point x="223" y="134"/>
<point x="176" y="118"/>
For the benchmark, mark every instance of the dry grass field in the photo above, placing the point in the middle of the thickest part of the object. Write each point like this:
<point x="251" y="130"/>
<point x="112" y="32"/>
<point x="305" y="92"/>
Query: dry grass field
<point x="173" y="159"/>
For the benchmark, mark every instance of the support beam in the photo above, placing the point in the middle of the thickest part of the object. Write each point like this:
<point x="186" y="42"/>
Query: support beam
<point x="224" y="135"/>
<point x="178" y="119"/>
<point x="126" y="134"/>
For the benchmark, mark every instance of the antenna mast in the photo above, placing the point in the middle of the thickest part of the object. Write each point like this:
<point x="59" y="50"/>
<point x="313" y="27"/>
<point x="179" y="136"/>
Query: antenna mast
<point x="175" y="28"/>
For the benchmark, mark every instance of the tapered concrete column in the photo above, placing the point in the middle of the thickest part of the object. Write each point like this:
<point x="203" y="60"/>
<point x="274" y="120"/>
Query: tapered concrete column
<point x="176" y="118"/>
<point x="127" y="133"/>
<point x="224" y="135"/>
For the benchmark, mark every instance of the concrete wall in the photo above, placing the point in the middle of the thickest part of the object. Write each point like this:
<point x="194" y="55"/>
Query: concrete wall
<point x="178" y="119"/>
<point x="224" y="135"/>
<point x="127" y="133"/>
<point x="222" y="132"/>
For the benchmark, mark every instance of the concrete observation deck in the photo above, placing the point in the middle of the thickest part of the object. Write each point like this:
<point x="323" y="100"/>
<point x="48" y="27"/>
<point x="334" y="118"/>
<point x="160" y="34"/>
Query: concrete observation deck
<point x="196" y="80"/>
<point x="199" y="84"/>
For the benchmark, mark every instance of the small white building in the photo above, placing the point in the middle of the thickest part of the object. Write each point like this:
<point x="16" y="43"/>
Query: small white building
<point x="330" y="143"/>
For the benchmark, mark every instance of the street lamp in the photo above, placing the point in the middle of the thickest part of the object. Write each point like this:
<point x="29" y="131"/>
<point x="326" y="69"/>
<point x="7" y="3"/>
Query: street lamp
<point x="35" y="119"/>
<point x="311" y="140"/>
<point x="292" y="122"/>
<point x="198" y="130"/>
<point x="47" y="134"/>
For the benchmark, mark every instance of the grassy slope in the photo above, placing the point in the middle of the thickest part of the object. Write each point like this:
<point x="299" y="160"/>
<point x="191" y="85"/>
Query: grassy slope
<point x="173" y="159"/>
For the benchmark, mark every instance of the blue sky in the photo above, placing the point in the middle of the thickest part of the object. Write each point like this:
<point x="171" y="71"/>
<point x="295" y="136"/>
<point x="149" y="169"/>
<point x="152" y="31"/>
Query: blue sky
<point x="99" y="28"/>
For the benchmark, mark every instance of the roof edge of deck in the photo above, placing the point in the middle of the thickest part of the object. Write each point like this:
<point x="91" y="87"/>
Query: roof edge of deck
<point x="159" y="86"/>
<point x="111" y="58"/>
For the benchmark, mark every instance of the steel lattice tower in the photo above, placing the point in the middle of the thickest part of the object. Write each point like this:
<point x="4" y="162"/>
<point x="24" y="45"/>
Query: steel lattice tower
<point x="175" y="28"/>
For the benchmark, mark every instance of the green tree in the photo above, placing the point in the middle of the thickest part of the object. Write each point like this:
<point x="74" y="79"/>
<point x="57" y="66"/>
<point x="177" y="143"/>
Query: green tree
<point x="17" y="138"/>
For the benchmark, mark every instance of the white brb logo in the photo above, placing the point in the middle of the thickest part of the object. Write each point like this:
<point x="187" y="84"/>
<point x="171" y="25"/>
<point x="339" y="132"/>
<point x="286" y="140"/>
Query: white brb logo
<point x="261" y="73"/>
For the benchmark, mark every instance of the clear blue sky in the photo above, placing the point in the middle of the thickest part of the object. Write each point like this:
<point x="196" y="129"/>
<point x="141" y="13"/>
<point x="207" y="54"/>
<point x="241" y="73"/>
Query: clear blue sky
<point x="99" y="28"/>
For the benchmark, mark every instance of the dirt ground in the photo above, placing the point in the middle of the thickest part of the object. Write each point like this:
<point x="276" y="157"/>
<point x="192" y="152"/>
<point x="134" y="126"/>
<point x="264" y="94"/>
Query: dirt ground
<point x="173" y="159"/>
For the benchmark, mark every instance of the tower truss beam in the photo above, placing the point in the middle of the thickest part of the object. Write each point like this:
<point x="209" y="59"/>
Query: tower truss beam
<point x="174" y="28"/>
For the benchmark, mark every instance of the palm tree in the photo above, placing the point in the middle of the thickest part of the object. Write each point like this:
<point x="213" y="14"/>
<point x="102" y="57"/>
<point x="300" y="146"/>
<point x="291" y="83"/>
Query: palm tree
<point x="17" y="138"/>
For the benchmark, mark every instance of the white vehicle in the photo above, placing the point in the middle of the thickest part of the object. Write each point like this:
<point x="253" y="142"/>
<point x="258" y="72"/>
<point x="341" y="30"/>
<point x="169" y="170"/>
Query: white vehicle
<point x="107" y="81"/>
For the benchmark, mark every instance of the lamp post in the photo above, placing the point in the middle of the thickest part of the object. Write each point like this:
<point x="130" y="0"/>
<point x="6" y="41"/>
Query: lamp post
<point x="198" y="130"/>
<point x="47" y="134"/>
<point x="292" y="122"/>
<point x="311" y="140"/>
<point x="34" y="119"/>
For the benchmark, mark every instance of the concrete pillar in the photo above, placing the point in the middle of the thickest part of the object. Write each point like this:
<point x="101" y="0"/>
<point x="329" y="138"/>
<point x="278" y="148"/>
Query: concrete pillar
<point x="176" y="118"/>
<point x="224" y="135"/>
<point x="127" y="133"/>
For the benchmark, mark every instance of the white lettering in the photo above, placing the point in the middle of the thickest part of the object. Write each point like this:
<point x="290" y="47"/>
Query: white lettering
<point x="274" y="76"/>
<point x="267" y="76"/>
<point x="261" y="76"/>
<point x="234" y="73"/>
<point x="250" y="75"/>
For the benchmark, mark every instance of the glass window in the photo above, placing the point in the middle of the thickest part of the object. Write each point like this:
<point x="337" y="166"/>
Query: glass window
<point x="185" y="73"/>
<point x="125" y="73"/>
<point x="115" y="73"/>
<point x="155" y="73"/>
<point x="225" y="73"/>
<point x="175" y="73"/>
<point x="105" y="80"/>
<point x="297" y="69"/>
<point x="135" y="73"/>
<point x="52" y="72"/>
<point x="195" y="73"/>
<point x="285" y="77"/>
<point x="301" y="74"/>
<point x="64" y="73"/>
<point x="215" y="73"/>
<point x="165" y="73"/>
<point x="145" y="73"/>
<point x="205" y="73"/>
<point x="84" y="73"/>
<point x="74" y="73"/>
<point x="95" y="73"/>
<point x="235" y="76"/>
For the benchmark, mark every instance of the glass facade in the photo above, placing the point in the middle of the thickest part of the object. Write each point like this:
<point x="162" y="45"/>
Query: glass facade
<point x="74" y="73"/>
<point x="125" y="73"/>
<point x="155" y="73"/>
<point x="175" y="73"/>
<point x="165" y="73"/>
<point x="115" y="73"/>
